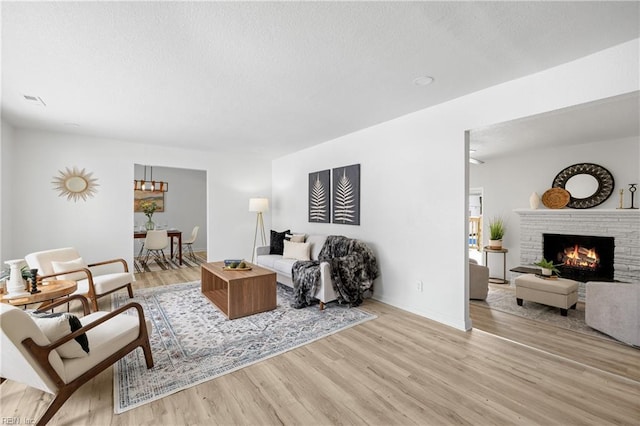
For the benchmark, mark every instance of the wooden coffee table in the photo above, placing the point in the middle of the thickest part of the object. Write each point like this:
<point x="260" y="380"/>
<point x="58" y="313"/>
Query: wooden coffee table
<point x="48" y="292"/>
<point x="239" y="293"/>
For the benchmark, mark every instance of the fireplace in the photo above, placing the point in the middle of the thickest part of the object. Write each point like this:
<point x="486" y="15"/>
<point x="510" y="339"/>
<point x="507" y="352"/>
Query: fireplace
<point x="621" y="224"/>
<point x="580" y="257"/>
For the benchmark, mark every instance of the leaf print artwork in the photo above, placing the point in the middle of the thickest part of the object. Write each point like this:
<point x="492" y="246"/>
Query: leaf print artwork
<point x="320" y="196"/>
<point x="318" y="201"/>
<point x="344" y="201"/>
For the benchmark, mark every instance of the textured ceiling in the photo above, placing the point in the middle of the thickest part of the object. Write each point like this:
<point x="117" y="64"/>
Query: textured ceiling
<point x="606" y="119"/>
<point x="275" y="77"/>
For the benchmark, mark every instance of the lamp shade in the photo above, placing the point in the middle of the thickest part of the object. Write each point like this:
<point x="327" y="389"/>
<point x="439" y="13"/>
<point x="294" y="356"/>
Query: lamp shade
<point x="258" y="204"/>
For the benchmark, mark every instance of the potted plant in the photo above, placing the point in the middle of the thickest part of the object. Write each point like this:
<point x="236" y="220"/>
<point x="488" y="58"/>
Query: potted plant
<point x="4" y="277"/>
<point x="25" y="272"/>
<point x="547" y="267"/>
<point x="149" y="208"/>
<point x="497" y="229"/>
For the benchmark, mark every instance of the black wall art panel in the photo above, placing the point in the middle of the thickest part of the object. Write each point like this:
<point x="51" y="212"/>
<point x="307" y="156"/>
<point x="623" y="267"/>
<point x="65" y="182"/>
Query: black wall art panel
<point x="319" y="196"/>
<point x="346" y="195"/>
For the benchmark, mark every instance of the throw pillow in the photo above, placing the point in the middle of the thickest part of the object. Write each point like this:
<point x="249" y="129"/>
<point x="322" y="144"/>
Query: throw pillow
<point x="298" y="251"/>
<point x="57" y="325"/>
<point x="277" y="241"/>
<point x="70" y="265"/>
<point x="295" y="238"/>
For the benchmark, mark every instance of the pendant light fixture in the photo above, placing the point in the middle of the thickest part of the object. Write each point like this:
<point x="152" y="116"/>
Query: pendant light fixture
<point x="150" y="185"/>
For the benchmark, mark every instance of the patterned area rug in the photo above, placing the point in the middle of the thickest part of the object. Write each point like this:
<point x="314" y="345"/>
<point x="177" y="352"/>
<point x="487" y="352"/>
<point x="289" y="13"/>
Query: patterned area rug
<point x="155" y="265"/>
<point x="193" y="342"/>
<point x="503" y="298"/>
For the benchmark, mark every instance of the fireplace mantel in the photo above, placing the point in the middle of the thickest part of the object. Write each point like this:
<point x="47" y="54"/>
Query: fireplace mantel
<point x="622" y="224"/>
<point x="579" y="212"/>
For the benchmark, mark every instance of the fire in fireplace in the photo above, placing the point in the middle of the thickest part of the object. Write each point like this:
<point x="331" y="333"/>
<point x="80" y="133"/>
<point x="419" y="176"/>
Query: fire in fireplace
<point x="581" y="257"/>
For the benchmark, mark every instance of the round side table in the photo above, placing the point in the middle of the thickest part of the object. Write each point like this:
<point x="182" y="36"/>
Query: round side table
<point x="504" y="252"/>
<point x="48" y="292"/>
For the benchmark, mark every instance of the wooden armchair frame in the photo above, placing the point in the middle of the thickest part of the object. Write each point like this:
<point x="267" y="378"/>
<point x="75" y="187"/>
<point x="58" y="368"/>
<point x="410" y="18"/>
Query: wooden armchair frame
<point x="65" y="390"/>
<point x="92" y="295"/>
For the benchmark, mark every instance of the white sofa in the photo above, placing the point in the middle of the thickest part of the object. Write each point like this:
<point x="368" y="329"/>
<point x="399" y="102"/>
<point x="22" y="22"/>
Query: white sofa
<point x="282" y="267"/>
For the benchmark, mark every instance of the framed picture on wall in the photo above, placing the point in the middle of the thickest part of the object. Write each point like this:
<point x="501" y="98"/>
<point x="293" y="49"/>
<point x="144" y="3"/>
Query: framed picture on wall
<point x="346" y="195"/>
<point x="320" y="197"/>
<point x="140" y="196"/>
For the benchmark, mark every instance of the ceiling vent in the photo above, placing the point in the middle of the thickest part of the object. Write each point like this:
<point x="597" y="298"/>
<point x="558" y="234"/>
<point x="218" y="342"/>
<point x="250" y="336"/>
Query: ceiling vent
<point x="34" y="100"/>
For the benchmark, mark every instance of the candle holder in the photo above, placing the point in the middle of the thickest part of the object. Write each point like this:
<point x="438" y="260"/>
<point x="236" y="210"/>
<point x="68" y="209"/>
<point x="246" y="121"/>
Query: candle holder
<point x="621" y="205"/>
<point x="34" y="281"/>
<point x="632" y="190"/>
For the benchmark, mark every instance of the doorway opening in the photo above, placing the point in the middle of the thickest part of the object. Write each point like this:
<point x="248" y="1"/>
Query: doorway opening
<point x="475" y="224"/>
<point x="180" y="209"/>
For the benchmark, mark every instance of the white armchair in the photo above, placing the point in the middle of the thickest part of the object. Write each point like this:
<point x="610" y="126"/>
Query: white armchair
<point x="614" y="309"/>
<point x="478" y="280"/>
<point x="29" y="357"/>
<point x="94" y="280"/>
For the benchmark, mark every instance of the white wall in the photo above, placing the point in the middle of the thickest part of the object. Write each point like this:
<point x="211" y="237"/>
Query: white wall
<point x="6" y="156"/>
<point x="534" y="171"/>
<point x="101" y="227"/>
<point x="414" y="178"/>
<point x="185" y="204"/>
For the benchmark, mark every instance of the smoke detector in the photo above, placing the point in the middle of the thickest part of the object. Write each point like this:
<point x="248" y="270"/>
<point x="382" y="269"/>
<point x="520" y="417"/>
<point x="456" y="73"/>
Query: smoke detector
<point x="423" y="80"/>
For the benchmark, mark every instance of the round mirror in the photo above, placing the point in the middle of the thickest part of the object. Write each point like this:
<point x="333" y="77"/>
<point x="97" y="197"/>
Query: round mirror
<point x="588" y="184"/>
<point x="75" y="184"/>
<point x="581" y="186"/>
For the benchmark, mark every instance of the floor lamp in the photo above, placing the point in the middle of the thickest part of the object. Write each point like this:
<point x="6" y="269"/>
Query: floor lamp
<point x="258" y="205"/>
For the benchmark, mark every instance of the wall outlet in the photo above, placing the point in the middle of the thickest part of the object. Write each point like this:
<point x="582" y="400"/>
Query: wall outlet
<point x="419" y="286"/>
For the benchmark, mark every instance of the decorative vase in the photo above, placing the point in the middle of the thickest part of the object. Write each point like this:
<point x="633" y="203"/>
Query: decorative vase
<point x="15" y="285"/>
<point x="150" y="225"/>
<point x="495" y="244"/>
<point x="534" y="200"/>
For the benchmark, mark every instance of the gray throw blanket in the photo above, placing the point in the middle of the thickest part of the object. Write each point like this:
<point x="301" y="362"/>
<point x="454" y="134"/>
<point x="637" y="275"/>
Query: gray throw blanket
<point x="353" y="269"/>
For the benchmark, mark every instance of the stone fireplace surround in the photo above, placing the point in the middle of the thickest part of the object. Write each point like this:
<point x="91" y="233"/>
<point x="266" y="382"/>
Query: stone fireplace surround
<point x="623" y="225"/>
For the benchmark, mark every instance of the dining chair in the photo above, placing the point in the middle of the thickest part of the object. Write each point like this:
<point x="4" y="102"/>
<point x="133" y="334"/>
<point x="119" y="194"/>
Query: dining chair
<point x="187" y="245"/>
<point x="154" y="244"/>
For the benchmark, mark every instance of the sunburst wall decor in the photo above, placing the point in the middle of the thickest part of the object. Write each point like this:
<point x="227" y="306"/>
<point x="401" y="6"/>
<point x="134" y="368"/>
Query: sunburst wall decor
<point x="75" y="184"/>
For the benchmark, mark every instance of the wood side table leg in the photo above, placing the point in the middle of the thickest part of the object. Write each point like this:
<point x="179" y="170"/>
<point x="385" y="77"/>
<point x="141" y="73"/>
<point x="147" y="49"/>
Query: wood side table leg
<point x="504" y="268"/>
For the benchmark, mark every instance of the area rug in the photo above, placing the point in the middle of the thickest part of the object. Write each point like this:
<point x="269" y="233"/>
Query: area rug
<point x="193" y="342"/>
<point x="155" y="265"/>
<point x="503" y="298"/>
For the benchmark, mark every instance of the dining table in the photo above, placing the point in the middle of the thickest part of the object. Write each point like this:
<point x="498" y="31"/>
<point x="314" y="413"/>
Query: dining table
<point x="171" y="233"/>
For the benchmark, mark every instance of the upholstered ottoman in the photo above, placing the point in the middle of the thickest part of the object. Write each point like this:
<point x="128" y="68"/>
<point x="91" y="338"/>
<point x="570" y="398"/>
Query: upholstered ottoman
<point x="560" y="293"/>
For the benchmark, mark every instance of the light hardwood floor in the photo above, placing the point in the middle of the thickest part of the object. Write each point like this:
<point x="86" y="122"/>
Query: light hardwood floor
<point x="399" y="369"/>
